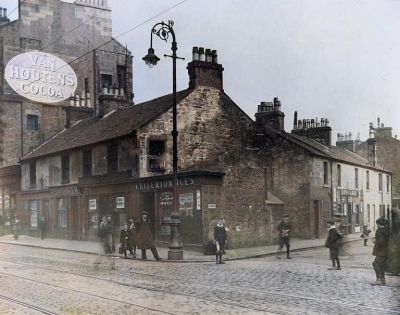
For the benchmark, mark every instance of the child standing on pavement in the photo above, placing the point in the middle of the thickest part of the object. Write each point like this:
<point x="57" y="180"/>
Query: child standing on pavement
<point x="220" y="240"/>
<point x="124" y="239"/>
<point x="333" y="243"/>
<point x="365" y="234"/>
<point x="284" y="228"/>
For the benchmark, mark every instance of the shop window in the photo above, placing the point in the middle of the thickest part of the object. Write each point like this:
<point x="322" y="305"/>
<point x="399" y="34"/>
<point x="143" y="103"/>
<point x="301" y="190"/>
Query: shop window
<point x="186" y="204"/>
<point x="32" y="122"/>
<point x="93" y="215"/>
<point x="120" y="212"/>
<point x="325" y="173"/>
<point x="32" y="174"/>
<point x="65" y="168"/>
<point x="87" y="163"/>
<point x="62" y="213"/>
<point x="112" y="158"/>
<point x="33" y="211"/>
<point x="156" y="150"/>
<point x="339" y="175"/>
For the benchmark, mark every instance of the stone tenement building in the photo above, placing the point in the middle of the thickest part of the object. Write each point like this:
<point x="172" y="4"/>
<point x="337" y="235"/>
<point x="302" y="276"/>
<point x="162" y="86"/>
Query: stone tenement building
<point x="36" y="50"/>
<point x="249" y="172"/>
<point x="317" y="181"/>
<point x="387" y="152"/>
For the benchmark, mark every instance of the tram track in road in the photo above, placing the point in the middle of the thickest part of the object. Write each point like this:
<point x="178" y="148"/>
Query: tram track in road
<point x="249" y="305"/>
<point x="26" y="305"/>
<point x="75" y="291"/>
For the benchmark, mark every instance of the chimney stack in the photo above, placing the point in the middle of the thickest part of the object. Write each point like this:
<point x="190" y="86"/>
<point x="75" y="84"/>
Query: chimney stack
<point x="270" y="114"/>
<point x="295" y="120"/>
<point x="204" y="69"/>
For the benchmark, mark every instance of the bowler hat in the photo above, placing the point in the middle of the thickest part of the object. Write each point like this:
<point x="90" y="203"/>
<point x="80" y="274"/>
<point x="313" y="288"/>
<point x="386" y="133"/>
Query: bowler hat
<point x="331" y="222"/>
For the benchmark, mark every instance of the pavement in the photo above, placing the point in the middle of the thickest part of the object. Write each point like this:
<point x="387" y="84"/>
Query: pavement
<point x="188" y="256"/>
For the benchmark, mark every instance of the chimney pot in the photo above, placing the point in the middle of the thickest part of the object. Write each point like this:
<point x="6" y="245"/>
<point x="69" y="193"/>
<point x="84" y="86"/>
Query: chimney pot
<point x="304" y="123"/>
<point x="201" y="54"/>
<point x="5" y="12"/>
<point x="208" y="55"/>
<point x="214" y="56"/>
<point x="195" y="52"/>
<point x="327" y="122"/>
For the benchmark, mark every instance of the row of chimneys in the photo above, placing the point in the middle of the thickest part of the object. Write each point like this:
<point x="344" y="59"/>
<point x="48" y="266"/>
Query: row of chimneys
<point x="3" y="12"/>
<point x="309" y="123"/>
<point x="344" y="136"/>
<point x="118" y="91"/>
<point x="99" y="3"/>
<point x="82" y="101"/>
<point x="208" y="56"/>
<point x="270" y="106"/>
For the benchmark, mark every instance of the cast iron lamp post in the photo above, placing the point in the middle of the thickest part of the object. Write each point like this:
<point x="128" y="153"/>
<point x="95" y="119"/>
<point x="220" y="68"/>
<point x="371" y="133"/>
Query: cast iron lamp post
<point x="163" y="31"/>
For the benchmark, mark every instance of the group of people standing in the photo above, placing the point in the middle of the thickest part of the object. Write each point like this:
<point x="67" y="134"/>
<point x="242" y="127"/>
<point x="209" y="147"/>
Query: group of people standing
<point x="334" y="242"/>
<point x="134" y="235"/>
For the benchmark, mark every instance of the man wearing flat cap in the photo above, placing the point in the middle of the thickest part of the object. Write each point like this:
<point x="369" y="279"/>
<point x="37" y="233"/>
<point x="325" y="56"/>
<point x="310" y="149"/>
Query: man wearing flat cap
<point x="284" y="228"/>
<point x="333" y="243"/>
<point x="380" y="251"/>
<point x="145" y="236"/>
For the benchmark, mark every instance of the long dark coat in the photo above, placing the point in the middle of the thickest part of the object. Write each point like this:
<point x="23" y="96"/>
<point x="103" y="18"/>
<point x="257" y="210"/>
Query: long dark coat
<point x="333" y="240"/>
<point x="132" y="237"/>
<point x="220" y="234"/>
<point x="381" y="246"/>
<point x="144" y="235"/>
<point x="124" y="239"/>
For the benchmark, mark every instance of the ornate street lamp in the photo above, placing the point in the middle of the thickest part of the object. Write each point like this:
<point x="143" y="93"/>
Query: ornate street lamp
<point x="163" y="31"/>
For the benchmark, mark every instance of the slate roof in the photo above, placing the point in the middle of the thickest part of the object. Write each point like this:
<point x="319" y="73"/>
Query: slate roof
<point x="113" y="125"/>
<point x="332" y="152"/>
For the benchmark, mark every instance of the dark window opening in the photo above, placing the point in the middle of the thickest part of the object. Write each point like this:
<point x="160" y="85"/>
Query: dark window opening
<point x="87" y="163"/>
<point x="356" y="177"/>
<point x="32" y="173"/>
<point x="387" y="183"/>
<point x="112" y="158"/>
<point x="106" y="81"/>
<point x="339" y="175"/>
<point x="121" y="73"/>
<point x="156" y="162"/>
<point x="32" y="122"/>
<point x="380" y="182"/>
<point x="367" y="180"/>
<point x="325" y="173"/>
<point x="65" y="168"/>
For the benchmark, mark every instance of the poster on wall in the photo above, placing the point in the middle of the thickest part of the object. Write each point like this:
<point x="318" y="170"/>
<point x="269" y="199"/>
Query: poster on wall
<point x="186" y="204"/>
<point x="33" y="211"/>
<point x="92" y="204"/>
<point x="120" y="202"/>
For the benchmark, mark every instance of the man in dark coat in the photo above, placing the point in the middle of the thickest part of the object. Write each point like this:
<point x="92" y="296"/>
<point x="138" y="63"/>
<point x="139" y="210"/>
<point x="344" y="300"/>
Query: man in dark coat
<point x="333" y="243"/>
<point x="42" y="228"/>
<point x="145" y="237"/>
<point x="284" y="229"/>
<point x="132" y="239"/>
<point x="380" y="251"/>
<point x="220" y="240"/>
<point x="124" y="240"/>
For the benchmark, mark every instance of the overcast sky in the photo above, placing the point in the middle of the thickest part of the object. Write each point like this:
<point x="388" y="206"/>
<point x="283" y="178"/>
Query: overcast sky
<point x="332" y="59"/>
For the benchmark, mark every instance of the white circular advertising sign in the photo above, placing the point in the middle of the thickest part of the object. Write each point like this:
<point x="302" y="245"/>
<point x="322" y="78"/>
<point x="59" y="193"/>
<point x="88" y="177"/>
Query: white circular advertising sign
<point x="41" y="77"/>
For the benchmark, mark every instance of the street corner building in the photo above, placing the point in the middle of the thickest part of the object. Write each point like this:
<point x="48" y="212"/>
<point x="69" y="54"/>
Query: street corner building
<point x="52" y="76"/>
<point x="97" y="154"/>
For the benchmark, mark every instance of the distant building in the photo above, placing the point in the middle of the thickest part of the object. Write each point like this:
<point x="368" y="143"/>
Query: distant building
<point x="69" y="31"/>
<point x="388" y="155"/>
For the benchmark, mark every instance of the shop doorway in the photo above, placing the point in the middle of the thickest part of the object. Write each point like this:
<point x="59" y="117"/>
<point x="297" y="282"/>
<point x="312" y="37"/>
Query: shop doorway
<point x="147" y="203"/>
<point x="76" y="230"/>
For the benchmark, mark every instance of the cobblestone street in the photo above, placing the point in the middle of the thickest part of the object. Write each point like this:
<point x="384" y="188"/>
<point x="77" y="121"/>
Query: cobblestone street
<point x="41" y="281"/>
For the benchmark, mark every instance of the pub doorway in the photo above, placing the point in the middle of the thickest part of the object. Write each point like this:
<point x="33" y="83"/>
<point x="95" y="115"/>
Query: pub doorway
<point x="147" y="203"/>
